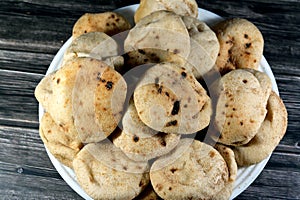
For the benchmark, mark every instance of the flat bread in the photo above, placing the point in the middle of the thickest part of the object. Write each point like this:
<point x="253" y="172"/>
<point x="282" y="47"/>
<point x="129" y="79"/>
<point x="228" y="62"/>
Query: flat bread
<point x="97" y="45"/>
<point x="87" y="93"/>
<point x="169" y="99"/>
<point x="105" y="172"/>
<point x="241" y="105"/>
<point x="141" y="143"/>
<point x="241" y="45"/>
<point x="193" y="170"/>
<point x="186" y="8"/>
<point x="228" y="155"/>
<point x="268" y="136"/>
<point x="204" y="46"/>
<point x="160" y="30"/>
<point x="61" y="140"/>
<point x="110" y="23"/>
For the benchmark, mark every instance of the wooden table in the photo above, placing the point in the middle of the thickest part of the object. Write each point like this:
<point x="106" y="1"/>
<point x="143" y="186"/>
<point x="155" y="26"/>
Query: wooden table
<point x="32" y="31"/>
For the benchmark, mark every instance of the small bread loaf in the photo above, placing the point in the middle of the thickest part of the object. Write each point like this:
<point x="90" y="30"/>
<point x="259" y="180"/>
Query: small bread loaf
<point x="105" y="172"/>
<point x="268" y="136"/>
<point x="193" y="170"/>
<point x="241" y="105"/>
<point x="169" y="99"/>
<point x="241" y="45"/>
<point x="61" y="140"/>
<point x="186" y="8"/>
<point x="108" y="22"/>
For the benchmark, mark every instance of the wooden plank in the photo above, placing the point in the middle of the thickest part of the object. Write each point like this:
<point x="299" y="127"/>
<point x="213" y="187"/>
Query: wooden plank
<point x="17" y="102"/>
<point x="31" y="62"/>
<point x="32" y="186"/>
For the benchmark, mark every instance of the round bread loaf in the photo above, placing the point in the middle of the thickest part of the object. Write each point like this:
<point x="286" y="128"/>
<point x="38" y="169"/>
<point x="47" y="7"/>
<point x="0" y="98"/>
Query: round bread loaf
<point x="108" y="22"/>
<point x="204" y="46"/>
<point x="241" y="45"/>
<point x="169" y="99"/>
<point x="61" y="140"/>
<point x="105" y="172"/>
<point x="161" y="30"/>
<point x="229" y="158"/>
<point x="241" y="105"/>
<point x="268" y="136"/>
<point x="141" y="143"/>
<point x="187" y="8"/>
<point x="85" y="92"/>
<point x="96" y="45"/>
<point x="193" y="170"/>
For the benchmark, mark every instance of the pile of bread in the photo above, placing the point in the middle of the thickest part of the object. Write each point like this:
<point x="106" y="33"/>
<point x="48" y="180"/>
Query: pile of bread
<point x="125" y="110"/>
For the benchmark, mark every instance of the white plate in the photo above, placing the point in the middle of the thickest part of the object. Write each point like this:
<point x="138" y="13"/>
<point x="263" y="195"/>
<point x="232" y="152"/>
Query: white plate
<point x="245" y="175"/>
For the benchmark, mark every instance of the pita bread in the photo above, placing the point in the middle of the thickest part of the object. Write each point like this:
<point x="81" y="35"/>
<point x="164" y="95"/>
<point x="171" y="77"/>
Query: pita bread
<point x="268" y="136"/>
<point x="61" y="140"/>
<point x="193" y="170"/>
<point x="186" y="8"/>
<point x="141" y="143"/>
<point x="95" y="45"/>
<point x="229" y="158"/>
<point x="104" y="172"/>
<point x="241" y="106"/>
<point x="161" y="30"/>
<point x="169" y="99"/>
<point x="241" y="45"/>
<point x="83" y="92"/>
<point x="204" y="46"/>
<point x="108" y="22"/>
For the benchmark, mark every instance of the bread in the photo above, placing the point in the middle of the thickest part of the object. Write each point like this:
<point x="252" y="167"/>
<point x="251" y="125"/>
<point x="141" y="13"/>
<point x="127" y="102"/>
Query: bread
<point x="241" y="45"/>
<point x="83" y="92"/>
<point x="61" y="140"/>
<point x="186" y="8"/>
<point x="268" y="136"/>
<point x="241" y="105"/>
<point x="104" y="172"/>
<point x="161" y="30"/>
<point x="95" y="45"/>
<point x="141" y="143"/>
<point x="204" y="46"/>
<point x="169" y="99"/>
<point x="110" y="23"/>
<point x="193" y="170"/>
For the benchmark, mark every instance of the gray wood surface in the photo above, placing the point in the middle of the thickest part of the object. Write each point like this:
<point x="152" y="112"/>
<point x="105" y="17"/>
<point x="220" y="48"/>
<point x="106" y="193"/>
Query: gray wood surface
<point x="32" y="31"/>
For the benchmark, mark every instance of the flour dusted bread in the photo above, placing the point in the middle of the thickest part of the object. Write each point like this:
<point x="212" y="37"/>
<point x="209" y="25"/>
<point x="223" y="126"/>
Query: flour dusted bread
<point x="241" y="105"/>
<point x="229" y="158"/>
<point x="161" y="30"/>
<point x="268" y="136"/>
<point x="186" y="8"/>
<point x="169" y="99"/>
<point x="105" y="172"/>
<point x="241" y="45"/>
<point x="108" y="22"/>
<point x="83" y="92"/>
<point x="193" y="170"/>
<point x="141" y="143"/>
<point x="204" y="46"/>
<point x="96" y="45"/>
<point x="61" y="140"/>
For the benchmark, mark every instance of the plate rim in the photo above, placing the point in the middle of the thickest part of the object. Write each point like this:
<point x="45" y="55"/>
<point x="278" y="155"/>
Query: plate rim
<point x="64" y="171"/>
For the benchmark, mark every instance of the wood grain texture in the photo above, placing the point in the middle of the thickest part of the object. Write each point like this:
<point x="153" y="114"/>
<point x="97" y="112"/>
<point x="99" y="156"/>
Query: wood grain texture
<point x="31" y="33"/>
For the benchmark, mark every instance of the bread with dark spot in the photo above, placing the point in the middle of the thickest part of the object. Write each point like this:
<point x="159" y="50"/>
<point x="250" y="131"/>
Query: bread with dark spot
<point x="180" y="7"/>
<point x="168" y="102"/>
<point x="268" y="136"/>
<point x="105" y="172"/>
<point x="108" y="22"/>
<point x="241" y="45"/>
